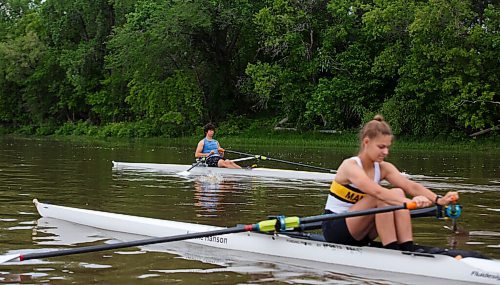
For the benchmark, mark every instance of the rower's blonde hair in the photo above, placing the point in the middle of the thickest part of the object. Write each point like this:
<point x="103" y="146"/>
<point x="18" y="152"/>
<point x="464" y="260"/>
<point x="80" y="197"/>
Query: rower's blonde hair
<point x="375" y="127"/>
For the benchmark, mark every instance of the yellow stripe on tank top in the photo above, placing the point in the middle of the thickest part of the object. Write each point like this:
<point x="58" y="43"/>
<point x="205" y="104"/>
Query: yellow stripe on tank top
<point x="345" y="194"/>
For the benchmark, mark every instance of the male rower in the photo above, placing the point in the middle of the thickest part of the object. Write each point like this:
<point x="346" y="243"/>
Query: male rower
<point x="210" y="148"/>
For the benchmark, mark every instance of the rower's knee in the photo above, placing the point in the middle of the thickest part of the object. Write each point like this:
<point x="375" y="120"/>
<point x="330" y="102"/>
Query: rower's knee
<point x="399" y="191"/>
<point x="229" y="164"/>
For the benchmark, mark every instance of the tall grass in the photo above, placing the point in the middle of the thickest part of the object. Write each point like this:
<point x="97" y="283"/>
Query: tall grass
<point x="260" y="134"/>
<point x="350" y="140"/>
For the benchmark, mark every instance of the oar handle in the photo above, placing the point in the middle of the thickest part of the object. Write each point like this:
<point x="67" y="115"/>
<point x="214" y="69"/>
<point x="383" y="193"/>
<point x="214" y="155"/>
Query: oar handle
<point x="410" y="205"/>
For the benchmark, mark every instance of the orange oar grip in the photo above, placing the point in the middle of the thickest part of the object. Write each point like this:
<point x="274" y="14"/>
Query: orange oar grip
<point x="411" y="205"/>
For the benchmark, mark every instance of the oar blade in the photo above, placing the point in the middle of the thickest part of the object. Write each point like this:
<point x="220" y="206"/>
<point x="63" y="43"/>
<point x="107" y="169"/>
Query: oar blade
<point x="186" y="172"/>
<point x="9" y="258"/>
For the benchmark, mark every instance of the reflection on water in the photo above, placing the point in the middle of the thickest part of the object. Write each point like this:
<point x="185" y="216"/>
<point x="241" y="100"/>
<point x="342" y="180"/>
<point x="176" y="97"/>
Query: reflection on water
<point x="79" y="174"/>
<point x="209" y="193"/>
<point x="18" y="278"/>
<point x="463" y="185"/>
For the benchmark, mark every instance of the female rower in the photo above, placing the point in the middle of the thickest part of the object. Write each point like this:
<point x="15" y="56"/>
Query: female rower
<point x="356" y="187"/>
<point x="211" y="150"/>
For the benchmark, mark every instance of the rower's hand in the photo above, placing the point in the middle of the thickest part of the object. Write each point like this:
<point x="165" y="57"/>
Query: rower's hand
<point x="450" y="197"/>
<point x="221" y="150"/>
<point x="211" y="152"/>
<point x="422" y="201"/>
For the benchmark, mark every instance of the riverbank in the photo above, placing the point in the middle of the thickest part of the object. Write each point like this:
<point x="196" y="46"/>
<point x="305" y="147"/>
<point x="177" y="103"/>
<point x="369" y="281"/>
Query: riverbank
<point x="253" y="133"/>
<point x="259" y="139"/>
<point x="350" y="140"/>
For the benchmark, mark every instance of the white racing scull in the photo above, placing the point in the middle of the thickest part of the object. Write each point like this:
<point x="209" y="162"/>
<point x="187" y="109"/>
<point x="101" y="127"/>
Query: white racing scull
<point x="204" y="170"/>
<point x="466" y="269"/>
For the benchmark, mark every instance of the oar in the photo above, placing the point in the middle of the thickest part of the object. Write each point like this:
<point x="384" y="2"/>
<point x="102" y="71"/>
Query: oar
<point x="186" y="172"/>
<point x="258" y="156"/>
<point x="280" y="224"/>
<point x="434" y="211"/>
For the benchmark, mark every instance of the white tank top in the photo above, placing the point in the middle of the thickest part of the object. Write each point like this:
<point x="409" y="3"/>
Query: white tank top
<point x="336" y="205"/>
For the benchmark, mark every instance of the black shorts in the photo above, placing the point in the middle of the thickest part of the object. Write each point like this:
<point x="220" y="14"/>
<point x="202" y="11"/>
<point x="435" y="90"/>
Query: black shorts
<point x="336" y="231"/>
<point x="213" y="161"/>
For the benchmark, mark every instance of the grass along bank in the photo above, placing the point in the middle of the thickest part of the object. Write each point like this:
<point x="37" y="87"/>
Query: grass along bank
<point x="350" y="140"/>
<point x="258" y="135"/>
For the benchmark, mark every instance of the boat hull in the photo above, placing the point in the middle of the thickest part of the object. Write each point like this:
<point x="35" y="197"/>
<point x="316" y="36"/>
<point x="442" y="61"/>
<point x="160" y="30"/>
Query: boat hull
<point x="203" y="170"/>
<point x="467" y="269"/>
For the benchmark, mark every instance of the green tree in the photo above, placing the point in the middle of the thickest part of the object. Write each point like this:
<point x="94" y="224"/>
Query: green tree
<point x="290" y="35"/>
<point x="78" y="31"/>
<point x="167" y="66"/>
<point x="181" y="61"/>
<point x="450" y="77"/>
<point x="21" y="50"/>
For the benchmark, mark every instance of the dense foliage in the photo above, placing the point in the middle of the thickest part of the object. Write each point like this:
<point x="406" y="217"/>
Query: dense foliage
<point x="156" y="67"/>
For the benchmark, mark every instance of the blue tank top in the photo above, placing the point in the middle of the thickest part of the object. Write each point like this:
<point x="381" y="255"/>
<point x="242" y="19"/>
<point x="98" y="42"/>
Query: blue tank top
<point x="209" y="146"/>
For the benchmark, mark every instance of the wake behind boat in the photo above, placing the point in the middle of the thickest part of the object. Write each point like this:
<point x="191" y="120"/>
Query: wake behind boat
<point x="466" y="269"/>
<point x="201" y="169"/>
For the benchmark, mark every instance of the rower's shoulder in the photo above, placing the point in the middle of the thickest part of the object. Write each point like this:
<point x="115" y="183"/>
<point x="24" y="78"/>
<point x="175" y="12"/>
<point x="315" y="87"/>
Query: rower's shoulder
<point x="346" y="166"/>
<point x="387" y="165"/>
<point x="387" y="168"/>
<point x="349" y="162"/>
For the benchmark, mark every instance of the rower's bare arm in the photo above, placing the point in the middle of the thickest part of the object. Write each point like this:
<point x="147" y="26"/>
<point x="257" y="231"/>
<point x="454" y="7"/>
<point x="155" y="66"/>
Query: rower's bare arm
<point x="350" y="171"/>
<point x="413" y="188"/>
<point x="220" y="149"/>
<point x="394" y="176"/>
<point x="199" y="148"/>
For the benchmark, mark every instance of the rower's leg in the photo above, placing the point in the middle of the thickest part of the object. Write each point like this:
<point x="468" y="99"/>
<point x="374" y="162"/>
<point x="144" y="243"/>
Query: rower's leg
<point x="386" y="227"/>
<point x="391" y="227"/>
<point x="403" y="226"/>
<point x="227" y="164"/>
<point x="221" y="163"/>
<point x="233" y="164"/>
<point x="402" y="222"/>
<point x="394" y="226"/>
<point x="362" y="226"/>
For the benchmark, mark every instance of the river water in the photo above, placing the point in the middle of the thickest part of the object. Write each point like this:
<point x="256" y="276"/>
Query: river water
<point x="79" y="174"/>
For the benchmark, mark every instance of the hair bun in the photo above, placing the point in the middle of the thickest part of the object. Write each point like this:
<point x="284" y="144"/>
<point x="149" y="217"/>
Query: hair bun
<point x="379" y="118"/>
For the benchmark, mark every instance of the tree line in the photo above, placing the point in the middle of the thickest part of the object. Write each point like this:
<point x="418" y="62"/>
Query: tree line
<point x="165" y="67"/>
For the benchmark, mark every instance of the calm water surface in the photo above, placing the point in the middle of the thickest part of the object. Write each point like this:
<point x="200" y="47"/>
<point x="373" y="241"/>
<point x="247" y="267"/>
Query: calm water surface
<point x="79" y="174"/>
